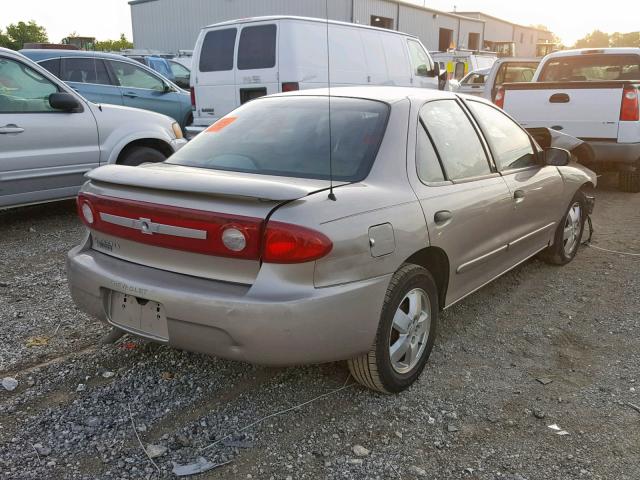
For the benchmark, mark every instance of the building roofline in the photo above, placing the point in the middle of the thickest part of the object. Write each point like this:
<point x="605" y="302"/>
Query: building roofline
<point x="493" y="18"/>
<point x="400" y="2"/>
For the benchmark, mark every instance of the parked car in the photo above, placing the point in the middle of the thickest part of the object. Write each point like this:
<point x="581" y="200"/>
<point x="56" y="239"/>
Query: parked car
<point x="458" y="63"/>
<point x="509" y="70"/>
<point x="50" y="136"/>
<point x="108" y="78"/>
<point x="590" y="94"/>
<point x="171" y="69"/>
<point x="474" y="82"/>
<point x="272" y="238"/>
<point x="237" y="61"/>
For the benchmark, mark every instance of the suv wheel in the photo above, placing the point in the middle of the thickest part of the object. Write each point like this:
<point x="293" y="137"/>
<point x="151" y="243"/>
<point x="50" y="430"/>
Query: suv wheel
<point x="135" y="156"/>
<point x="406" y="333"/>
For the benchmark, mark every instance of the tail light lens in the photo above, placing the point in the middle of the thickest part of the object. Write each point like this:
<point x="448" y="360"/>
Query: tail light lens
<point x="176" y="228"/>
<point x="630" y="108"/>
<point x="192" y="91"/>
<point x="290" y="86"/>
<point x="286" y="243"/>
<point x="499" y="100"/>
<point x="199" y="231"/>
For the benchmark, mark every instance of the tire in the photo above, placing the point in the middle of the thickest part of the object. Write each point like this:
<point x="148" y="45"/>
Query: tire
<point x="376" y="369"/>
<point x="629" y="182"/>
<point x="564" y="249"/>
<point x="135" y="156"/>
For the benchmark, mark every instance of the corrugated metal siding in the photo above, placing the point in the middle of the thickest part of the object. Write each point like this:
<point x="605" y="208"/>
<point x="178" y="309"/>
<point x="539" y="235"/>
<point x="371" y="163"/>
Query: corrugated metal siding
<point x="467" y="27"/>
<point x="496" y="31"/>
<point x="421" y="24"/>
<point x="364" y="9"/>
<point x="172" y="25"/>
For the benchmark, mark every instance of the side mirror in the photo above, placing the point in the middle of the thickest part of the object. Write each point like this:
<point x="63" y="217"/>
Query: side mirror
<point x="433" y="73"/>
<point x="166" y="88"/>
<point x="423" y="71"/>
<point x="556" y="157"/>
<point x="64" y="101"/>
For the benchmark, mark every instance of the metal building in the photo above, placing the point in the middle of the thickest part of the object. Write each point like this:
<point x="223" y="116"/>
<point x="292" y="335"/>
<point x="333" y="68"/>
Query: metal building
<point x="173" y="25"/>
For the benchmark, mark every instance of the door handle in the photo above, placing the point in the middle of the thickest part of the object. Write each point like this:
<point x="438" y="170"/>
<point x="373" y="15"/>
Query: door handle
<point x="559" y="98"/>
<point x="130" y="95"/>
<point x="518" y="195"/>
<point x="11" y="128"/>
<point x="442" y="217"/>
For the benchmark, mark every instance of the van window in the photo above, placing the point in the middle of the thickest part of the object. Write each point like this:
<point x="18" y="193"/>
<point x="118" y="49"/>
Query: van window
<point x="217" y="50"/>
<point x="447" y="124"/>
<point x="420" y="61"/>
<point x="257" y="48"/>
<point x="290" y="137"/>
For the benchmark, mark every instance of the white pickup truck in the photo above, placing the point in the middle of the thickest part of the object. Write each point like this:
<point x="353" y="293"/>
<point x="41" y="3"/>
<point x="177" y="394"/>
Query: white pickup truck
<point x="591" y="94"/>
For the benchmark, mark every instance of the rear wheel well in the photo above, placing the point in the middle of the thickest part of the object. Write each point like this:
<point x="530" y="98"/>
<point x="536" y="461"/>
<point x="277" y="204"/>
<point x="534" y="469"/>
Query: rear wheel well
<point x="436" y="261"/>
<point x="159" y="145"/>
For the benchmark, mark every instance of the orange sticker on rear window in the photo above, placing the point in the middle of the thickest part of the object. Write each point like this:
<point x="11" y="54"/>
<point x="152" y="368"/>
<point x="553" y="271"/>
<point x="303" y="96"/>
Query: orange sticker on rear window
<point x="220" y="124"/>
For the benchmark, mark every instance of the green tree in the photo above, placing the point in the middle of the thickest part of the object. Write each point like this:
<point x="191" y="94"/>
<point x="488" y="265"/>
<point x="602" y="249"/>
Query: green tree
<point x="114" y="45"/>
<point x="631" y="39"/>
<point x="595" y="39"/>
<point x="21" y="33"/>
<point x="5" y="41"/>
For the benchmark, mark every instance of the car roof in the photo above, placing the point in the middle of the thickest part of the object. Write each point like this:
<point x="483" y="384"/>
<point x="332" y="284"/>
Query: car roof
<point x="387" y="94"/>
<point x="586" y="51"/>
<point x="38" y="54"/>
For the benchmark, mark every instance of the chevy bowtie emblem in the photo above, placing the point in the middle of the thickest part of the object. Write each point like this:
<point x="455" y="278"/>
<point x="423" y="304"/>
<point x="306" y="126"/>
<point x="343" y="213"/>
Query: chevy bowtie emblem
<point x="146" y="226"/>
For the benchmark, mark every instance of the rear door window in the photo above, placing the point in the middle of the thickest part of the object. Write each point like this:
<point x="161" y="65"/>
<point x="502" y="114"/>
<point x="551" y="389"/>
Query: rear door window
<point x="455" y="139"/>
<point x="592" y="68"/>
<point x="53" y="65"/>
<point x="84" y="70"/>
<point x="257" y="47"/>
<point x="217" y="50"/>
<point x="290" y="137"/>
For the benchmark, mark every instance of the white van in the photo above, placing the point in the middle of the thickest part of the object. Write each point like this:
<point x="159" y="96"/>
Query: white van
<point x="239" y="60"/>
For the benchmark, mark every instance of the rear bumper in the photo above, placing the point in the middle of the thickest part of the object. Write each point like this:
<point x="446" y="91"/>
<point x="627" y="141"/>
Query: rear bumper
<point x="280" y="326"/>
<point x="622" y="156"/>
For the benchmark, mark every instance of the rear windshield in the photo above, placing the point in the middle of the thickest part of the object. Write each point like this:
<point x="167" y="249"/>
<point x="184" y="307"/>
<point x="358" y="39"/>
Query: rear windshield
<point x="592" y="67"/>
<point x="216" y="54"/>
<point x="289" y="136"/>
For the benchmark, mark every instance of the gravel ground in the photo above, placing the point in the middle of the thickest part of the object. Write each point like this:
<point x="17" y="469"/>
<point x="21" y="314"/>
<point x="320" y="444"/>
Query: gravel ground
<point x="540" y="346"/>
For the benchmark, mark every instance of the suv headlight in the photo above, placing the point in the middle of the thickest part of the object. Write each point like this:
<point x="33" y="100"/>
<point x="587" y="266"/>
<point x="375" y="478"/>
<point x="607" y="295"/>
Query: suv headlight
<point x="177" y="131"/>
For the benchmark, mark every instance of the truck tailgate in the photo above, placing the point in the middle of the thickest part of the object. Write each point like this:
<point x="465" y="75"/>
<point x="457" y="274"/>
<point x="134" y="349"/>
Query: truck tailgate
<point x="581" y="109"/>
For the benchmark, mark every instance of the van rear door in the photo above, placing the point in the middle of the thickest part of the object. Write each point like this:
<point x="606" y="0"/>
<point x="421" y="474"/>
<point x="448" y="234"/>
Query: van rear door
<point x="257" y="62"/>
<point x="215" y="81"/>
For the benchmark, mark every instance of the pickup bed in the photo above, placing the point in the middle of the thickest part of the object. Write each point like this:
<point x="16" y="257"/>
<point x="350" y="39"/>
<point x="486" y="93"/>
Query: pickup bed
<point x="568" y="94"/>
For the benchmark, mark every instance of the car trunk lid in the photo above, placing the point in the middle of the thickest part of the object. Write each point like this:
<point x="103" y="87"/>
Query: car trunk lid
<point x="172" y="217"/>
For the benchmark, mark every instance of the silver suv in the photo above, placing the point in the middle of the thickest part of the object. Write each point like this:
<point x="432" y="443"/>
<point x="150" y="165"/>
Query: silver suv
<point x="50" y="136"/>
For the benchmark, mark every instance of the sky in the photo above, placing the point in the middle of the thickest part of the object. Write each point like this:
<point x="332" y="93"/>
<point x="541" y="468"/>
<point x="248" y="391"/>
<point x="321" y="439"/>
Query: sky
<point x="107" y="19"/>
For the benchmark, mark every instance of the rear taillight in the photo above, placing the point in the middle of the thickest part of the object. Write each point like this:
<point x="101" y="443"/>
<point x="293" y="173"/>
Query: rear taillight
<point x="630" y="108"/>
<point x="290" y="86"/>
<point x="175" y="228"/>
<point x="286" y="243"/>
<point x="192" y="90"/>
<point x="499" y="100"/>
<point x="199" y="231"/>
